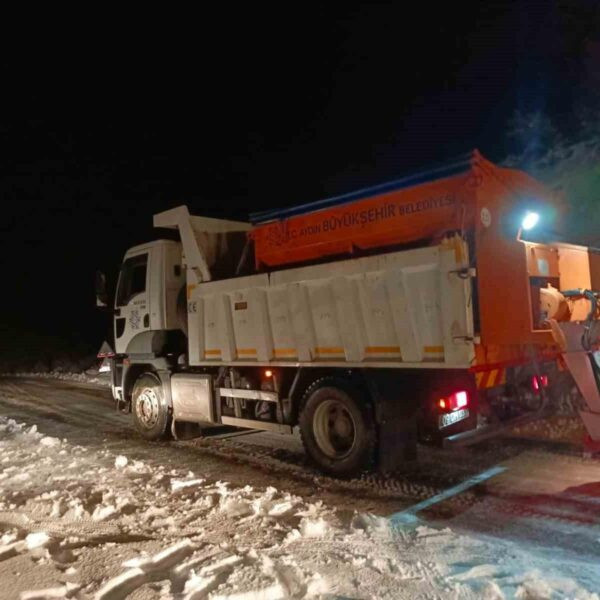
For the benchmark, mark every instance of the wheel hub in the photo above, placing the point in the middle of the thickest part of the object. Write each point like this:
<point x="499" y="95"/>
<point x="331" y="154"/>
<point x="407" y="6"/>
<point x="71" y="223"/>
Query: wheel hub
<point x="147" y="408"/>
<point x="334" y="429"/>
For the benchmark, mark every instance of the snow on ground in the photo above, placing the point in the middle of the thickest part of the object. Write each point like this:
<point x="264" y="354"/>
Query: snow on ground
<point x="560" y="428"/>
<point x="80" y="523"/>
<point x="91" y="376"/>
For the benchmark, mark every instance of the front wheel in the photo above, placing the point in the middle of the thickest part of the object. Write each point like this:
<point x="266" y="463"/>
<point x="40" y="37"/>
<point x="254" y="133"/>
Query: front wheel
<point x="337" y="428"/>
<point x="151" y="416"/>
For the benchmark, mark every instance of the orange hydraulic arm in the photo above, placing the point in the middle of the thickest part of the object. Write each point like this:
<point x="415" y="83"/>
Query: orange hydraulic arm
<point x="579" y="343"/>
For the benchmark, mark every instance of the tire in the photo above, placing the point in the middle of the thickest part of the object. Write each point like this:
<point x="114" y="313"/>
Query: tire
<point x="337" y="428"/>
<point x="151" y="414"/>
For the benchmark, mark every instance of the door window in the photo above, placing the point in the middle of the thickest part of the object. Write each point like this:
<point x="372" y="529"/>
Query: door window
<point x="132" y="280"/>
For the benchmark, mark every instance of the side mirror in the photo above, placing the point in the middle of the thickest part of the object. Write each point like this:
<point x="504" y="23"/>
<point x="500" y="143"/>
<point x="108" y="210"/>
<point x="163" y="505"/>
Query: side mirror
<point x="101" y="293"/>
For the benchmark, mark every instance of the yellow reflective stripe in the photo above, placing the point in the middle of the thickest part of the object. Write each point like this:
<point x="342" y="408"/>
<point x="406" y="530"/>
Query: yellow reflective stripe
<point x="382" y="350"/>
<point x="433" y="349"/>
<point x="491" y="378"/>
<point x="285" y="352"/>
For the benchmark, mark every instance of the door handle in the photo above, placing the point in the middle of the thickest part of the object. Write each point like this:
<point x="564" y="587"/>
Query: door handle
<point x="146" y="320"/>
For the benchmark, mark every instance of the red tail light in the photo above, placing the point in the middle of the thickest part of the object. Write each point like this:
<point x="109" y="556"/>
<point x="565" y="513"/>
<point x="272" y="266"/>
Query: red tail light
<point x="538" y="382"/>
<point x="455" y="401"/>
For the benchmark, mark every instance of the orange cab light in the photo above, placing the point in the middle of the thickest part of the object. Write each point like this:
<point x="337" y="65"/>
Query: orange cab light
<point x="442" y="403"/>
<point x="268" y="373"/>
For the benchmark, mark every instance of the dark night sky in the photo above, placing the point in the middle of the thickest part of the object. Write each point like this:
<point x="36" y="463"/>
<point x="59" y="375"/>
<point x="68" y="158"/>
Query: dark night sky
<point x="239" y="111"/>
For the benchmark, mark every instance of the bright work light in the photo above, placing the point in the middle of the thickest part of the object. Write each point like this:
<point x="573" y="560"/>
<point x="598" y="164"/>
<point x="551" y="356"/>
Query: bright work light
<point x="530" y="220"/>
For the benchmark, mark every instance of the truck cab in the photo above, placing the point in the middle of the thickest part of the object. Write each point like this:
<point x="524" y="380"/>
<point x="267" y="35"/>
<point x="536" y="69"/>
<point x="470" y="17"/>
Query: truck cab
<point x="147" y="323"/>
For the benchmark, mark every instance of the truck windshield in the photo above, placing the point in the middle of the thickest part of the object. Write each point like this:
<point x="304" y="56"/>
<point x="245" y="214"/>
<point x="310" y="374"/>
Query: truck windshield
<point x="132" y="279"/>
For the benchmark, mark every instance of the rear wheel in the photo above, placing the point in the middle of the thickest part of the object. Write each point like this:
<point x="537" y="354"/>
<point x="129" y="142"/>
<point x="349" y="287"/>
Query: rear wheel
<point x="337" y="428"/>
<point x="151" y="416"/>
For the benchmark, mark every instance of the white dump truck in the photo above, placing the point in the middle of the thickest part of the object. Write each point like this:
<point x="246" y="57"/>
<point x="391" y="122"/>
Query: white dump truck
<point x="410" y="310"/>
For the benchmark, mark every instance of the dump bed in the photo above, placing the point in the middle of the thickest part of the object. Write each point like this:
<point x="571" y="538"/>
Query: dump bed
<point x="409" y="308"/>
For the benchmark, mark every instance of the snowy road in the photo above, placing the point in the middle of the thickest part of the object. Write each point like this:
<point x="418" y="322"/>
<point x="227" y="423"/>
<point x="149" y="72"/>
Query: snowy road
<point x="528" y="524"/>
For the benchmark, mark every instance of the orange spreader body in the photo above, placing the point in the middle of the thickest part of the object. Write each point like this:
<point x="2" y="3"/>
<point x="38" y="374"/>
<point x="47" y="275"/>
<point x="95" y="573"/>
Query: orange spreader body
<point x="394" y="217"/>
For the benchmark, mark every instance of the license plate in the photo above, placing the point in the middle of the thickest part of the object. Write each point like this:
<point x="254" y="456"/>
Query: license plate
<point x="453" y="417"/>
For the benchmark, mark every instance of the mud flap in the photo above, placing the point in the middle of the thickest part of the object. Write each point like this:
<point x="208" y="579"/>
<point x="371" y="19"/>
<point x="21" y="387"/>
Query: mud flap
<point x="396" y="421"/>
<point x="397" y="437"/>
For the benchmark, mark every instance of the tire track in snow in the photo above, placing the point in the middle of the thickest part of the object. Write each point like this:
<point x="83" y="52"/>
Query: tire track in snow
<point x="369" y="485"/>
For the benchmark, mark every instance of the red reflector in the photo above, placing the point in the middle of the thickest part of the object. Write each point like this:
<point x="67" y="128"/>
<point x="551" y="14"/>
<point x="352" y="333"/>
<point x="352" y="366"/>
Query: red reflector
<point x="455" y="401"/>
<point x="536" y="381"/>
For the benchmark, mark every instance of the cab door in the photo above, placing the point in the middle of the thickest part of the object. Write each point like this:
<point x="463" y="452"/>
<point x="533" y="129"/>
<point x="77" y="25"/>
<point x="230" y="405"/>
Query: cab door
<point x="132" y="310"/>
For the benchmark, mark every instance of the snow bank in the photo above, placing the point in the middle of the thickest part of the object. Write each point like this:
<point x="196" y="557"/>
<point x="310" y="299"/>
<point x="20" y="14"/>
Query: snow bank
<point x="103" y="526"/>
<point x="91" y="377"/>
